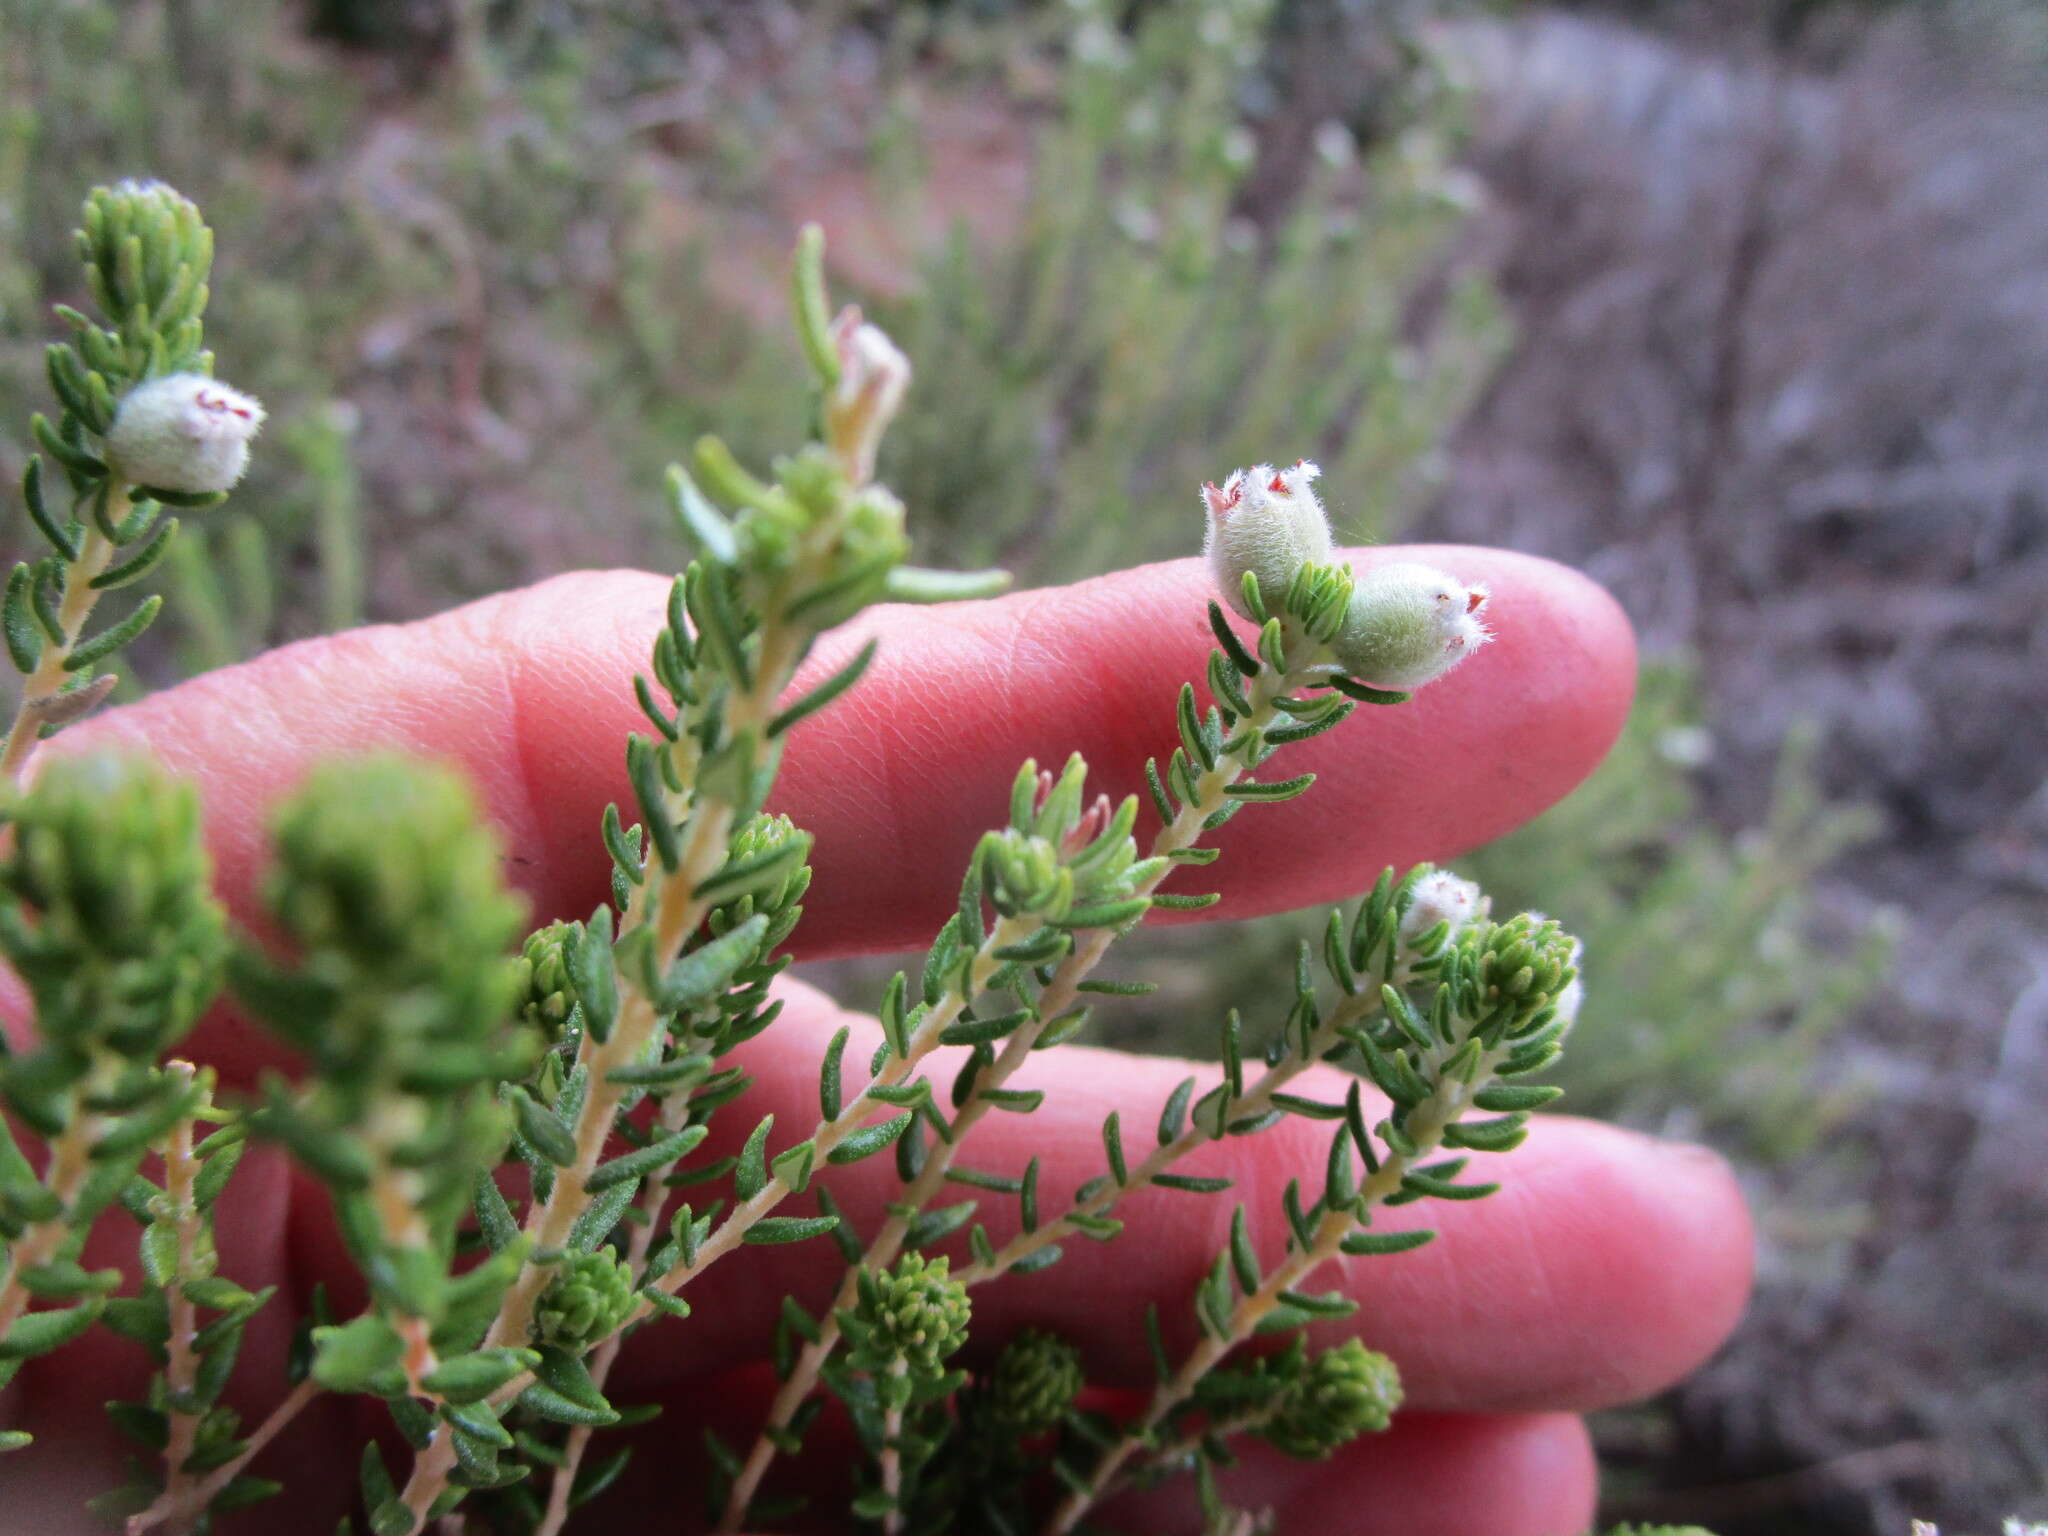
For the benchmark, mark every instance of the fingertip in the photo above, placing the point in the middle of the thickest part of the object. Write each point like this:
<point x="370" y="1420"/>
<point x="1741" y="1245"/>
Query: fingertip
<point x="1427" y="1475"/>
<point x="1636" y="1254"/>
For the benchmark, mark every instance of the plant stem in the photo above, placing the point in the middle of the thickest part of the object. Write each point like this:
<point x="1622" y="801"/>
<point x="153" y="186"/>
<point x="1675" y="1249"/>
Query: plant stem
<point x="181" y="1369"/>
<point x="1351" y="1010"/>
<point x="182" y="1509"/>
<point x="675" y="1114"/>
<point x="892" y="1454"/>
<point x="1425" y="1125"/>
<point x="70" y="1165"/>
<point x="49" y="675"/>
<point x="1182" y="832"/>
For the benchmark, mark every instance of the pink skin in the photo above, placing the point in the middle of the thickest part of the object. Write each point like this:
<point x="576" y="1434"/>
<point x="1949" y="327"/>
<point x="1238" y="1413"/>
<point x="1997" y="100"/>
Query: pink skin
<point x="1608" y="1266"/>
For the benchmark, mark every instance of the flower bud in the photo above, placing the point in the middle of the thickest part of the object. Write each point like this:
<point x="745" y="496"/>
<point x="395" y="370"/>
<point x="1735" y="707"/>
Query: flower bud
<point x="546" y="994"/>
<point x="915" y="1313"/>
<point x="183" y="433"/>
<point x="1345" y="1392"/>
<point x="873" y="374"/>
<point x="1266" y="522"/>
<point x="107" y="913"/>
<point x="589" y="1296"/>
<point x="1441" y="897"/>
<point x="1409" y="624"/>
<point x="1035" y="1381"/>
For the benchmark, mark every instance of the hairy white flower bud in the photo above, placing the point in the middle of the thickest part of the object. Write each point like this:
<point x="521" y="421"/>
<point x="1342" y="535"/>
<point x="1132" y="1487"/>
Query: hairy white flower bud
<point x="1408" y="624"/>
<point x="183" y="433"/>
<point x="1267" y="522"/>
<point x="1441" y="897"/>
<point x="873" y="374"/>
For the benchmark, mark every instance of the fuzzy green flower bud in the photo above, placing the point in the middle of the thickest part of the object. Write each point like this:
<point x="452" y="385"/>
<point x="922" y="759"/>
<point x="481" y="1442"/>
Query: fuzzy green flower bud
<point x="1035" y="1382"/>
<point x="546" y="994"/>
<point x="589" y="1297"/>
<point x="1689" y="1530"/>
<point x="1345" y="1392"/>
<point x="1408" y="624"/>
<point x="916" y="1313"/>
<point x="1266" y="522"/>
<point x="183" y="433"/>
<point x="112" y="925"/>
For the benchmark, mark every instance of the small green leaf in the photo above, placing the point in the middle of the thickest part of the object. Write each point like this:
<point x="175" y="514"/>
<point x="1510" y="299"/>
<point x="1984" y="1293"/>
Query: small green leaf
<point x="466" y="1379"/>
<point x="38" y="1333"/>
<point x="1174" y="1115"/>
<point x="938" y="1223"/>
<point x="1283" y="789"/>
<point x="869" y="1140"/>
<point x="702" y="524"/>
<point x="751" y="1176"/>
<point x="916" y="584"/>
<point x="543" y="1132"/>
<point x="788" y="1229"/>
<point x="633" y="1165"/>
<point x="104" y="644"/>
<point x="825" y="692"/>
<point x="1375" y="1244"/>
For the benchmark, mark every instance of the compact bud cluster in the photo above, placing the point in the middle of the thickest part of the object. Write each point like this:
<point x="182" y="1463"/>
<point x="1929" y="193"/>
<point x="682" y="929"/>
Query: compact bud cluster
<point x="915" y="1313"/>
<point x="1345" y="1392"/>
<point x="1036" y="1381"/>
<point x="184" y="433"/>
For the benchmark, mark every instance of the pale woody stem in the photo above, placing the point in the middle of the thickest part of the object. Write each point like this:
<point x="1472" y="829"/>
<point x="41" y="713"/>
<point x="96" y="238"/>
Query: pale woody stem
<point x="896" y="1071"/>
<point x="49" y="675"/>
<point x="653" y="1195"/>
<point x="181" y="1510"/>
<point x="1182" y="832"/>
<point x="892" y="1457"/>
<point x="181" y="1169"/>
<point x="70" y="1163"/>
<point x="677" y="915"/>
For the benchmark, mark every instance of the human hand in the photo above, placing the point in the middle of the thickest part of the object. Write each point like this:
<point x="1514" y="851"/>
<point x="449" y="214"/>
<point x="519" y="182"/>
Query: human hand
<point x="1606" y="1267"/>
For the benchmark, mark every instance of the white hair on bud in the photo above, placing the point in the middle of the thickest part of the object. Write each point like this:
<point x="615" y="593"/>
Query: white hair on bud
<point x="1268" y="522"/>
<point x="1441" y="897"/>
<point x="1408" y="624"/>
<point x="184" y="432"/>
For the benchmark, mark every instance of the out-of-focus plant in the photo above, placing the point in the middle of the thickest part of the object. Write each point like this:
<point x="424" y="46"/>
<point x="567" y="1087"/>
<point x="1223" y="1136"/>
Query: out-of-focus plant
<point x="1715" y="999"/>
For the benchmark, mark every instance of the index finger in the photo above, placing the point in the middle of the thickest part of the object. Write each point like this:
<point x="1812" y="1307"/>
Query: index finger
<point x="529" y="694"/>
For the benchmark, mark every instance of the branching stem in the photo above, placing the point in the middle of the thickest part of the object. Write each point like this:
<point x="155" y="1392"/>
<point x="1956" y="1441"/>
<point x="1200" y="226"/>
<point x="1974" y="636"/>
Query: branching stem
<point x="1182" y="832"/>
<point x="1254" y="1101"/>
<point x="1425" y="1125"/>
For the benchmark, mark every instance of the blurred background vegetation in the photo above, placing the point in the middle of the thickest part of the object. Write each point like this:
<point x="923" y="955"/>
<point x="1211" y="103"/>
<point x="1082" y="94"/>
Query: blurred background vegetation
<point x="1738" y="305"/>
